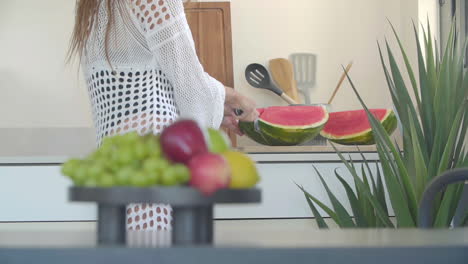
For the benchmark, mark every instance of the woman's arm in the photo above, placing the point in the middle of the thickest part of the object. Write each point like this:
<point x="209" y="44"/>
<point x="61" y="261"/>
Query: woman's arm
<point x="198" y="96"/>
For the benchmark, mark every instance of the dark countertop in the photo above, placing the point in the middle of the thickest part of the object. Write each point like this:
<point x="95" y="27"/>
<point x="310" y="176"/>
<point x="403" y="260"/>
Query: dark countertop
<point x="266" y="244"/>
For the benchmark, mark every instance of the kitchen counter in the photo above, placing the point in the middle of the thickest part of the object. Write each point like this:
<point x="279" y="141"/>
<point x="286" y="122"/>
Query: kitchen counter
<point x="248" y="243"/>
<point x="246" y="233"/>
<point x="274" y="156"/>
<point x="56" y="145"/>
<point x="35" y="155"/>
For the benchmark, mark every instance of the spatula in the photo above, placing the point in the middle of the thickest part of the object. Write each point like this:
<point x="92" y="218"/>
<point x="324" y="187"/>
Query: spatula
<point x="257" y="76"/>
<point x="282" y="72"/>
<point x="304" y="72"/>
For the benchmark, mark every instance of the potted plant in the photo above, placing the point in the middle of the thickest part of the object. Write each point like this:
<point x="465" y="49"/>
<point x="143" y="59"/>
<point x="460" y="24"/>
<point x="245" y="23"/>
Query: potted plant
<point x="433" y="114"/>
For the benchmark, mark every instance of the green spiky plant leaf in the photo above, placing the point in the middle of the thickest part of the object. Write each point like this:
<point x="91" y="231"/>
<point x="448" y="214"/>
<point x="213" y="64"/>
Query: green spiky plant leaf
<point x="434" y="122"/>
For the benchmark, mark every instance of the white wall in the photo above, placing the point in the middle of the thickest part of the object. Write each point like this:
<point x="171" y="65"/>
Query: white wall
<point x="338" y="31"/>
<point x="429" y="12"/>
<point x="44" y="92"/>
<point x="39" y="90"/>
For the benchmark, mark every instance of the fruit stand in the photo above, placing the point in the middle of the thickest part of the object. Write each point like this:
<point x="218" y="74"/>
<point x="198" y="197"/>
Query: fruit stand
<point x="187" y="167"/>
<point x="192" y="211"/>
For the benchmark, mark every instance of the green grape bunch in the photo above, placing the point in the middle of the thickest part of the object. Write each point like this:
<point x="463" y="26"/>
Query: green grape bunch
<point x="126" y="160"/>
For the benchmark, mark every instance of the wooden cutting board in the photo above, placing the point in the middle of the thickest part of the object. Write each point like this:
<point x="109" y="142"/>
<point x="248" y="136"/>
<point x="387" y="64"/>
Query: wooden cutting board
<point x="282" y="72"/>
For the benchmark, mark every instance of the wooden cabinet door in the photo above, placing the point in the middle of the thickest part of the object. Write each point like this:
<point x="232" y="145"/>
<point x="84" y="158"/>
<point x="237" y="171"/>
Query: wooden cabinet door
<point x="210" y="23"/>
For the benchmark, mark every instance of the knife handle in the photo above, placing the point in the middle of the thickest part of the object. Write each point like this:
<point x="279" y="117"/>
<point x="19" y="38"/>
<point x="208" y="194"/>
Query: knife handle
<point x="238" y="112"/>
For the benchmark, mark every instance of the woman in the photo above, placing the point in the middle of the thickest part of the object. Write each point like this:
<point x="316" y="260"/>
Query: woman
<point x="143" y="73"/>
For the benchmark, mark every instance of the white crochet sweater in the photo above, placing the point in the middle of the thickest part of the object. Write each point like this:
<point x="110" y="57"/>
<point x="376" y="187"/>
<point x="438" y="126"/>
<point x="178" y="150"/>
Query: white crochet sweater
<point x="156" y="76"/>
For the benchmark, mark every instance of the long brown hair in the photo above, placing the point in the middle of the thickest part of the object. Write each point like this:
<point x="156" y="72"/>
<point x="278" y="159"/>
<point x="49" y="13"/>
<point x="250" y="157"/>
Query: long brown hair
<point x="86" y="18"/>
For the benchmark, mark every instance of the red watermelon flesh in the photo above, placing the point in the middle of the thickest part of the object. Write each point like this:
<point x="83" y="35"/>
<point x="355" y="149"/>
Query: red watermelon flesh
<point x="351" y="122"/>
<point x="293" y="116"/>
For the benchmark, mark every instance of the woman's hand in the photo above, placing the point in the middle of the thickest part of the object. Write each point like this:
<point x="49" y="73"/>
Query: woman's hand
<point x="233" y="101"/>
<point x="232" y="124"/>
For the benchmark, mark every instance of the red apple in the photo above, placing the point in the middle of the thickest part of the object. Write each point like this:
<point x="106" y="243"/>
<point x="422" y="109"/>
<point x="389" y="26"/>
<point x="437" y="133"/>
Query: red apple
<point x="209" y="173"/>
<point x="182" y="140"/>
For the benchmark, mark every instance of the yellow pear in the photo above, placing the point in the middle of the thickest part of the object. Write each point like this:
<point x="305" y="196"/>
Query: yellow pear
<point x="244" y="173"/>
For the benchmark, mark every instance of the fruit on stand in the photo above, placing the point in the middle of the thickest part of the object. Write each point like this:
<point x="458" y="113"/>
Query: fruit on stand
<point x="126" y="160"/>
<point x="209" y="172"/>
<point x="217" y="140"/>
<point x="353" y="127"/>
<point x="183" y="140"/>
<point x="286" y="125"/>
<point x="244" y="173"/>
<point x="178" y="157"/>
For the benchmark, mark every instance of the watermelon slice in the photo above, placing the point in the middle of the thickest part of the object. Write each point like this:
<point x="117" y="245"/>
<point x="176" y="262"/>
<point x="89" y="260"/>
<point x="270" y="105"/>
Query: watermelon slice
<point x="286" y="125"/>
<point x="353" y="127"/>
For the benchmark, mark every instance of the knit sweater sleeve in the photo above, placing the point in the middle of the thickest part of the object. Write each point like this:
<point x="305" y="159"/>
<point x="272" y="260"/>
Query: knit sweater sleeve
<point x="198" y="96"/>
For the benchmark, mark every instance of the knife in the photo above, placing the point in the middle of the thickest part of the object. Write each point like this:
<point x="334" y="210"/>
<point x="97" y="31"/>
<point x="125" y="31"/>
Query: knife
<point x="239" y="112"/>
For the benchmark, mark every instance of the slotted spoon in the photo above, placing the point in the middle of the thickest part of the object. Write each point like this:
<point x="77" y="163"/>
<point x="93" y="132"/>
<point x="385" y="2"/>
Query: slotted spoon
<point x="282" y="72"/>
<point x="257" y="76"/>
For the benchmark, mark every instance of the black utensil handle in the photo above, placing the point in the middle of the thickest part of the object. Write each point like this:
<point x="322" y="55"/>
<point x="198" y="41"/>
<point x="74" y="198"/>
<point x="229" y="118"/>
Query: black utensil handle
<point x="275" y="89"/>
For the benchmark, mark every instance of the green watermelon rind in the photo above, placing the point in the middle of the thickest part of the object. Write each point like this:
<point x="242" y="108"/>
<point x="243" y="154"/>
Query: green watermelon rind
<point x="278" y="135"/>
<point x="282" y="136"/>
<point x="248" y="128"/>
<point x="389" y="122"/>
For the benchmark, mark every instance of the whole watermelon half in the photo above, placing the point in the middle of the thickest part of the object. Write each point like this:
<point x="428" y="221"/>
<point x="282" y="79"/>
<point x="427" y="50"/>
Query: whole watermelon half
<point x="353" y="127"/>
<point x="286" y="125"/>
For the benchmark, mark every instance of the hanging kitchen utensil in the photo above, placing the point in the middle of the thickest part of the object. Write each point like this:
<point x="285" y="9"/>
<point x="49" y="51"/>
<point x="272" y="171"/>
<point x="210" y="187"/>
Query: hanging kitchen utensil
<point x="343" y="76"/>
<point x="319" y="140"/>
<point x="258" y="76"/>
<point x="282" y="72"/>
<point x="305" y="65"/>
